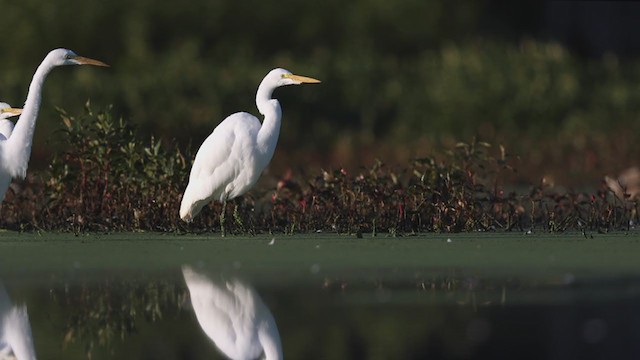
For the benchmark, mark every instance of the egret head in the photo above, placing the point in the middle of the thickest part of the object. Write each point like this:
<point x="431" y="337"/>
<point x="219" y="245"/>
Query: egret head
<point x="282" y="77"/>
<point x="6" y="111"/>
<point x="67" y="57"/>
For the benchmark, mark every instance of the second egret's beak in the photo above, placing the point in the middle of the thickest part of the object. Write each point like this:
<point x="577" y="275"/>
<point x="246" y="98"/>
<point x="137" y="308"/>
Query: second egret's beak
<point x="302" y="79"/>
<point x="12" y="111"/>
<point x="87" y="61"/>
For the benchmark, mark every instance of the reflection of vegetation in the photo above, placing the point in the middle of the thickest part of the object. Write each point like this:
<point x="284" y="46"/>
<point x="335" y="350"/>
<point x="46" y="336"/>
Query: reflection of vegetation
<point x="409" y="314"/>
<point x="455" y="288"/>
<point x="104" y="312"/>
<point x="103" y="315"/>
<point x="108" y="180"/>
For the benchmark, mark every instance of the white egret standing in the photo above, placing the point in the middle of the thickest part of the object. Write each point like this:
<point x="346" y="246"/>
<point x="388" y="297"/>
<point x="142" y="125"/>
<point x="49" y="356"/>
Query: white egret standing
<point x="15" y="331"/>
<point x="231" y="159"/>
<point x="234" y="317"/>
<point x="15" y="149"/>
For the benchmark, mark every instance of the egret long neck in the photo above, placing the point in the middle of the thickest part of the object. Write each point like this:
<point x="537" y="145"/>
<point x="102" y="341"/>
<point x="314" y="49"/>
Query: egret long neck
<point x="270" y="129"/>
<point x="18" y="146"/>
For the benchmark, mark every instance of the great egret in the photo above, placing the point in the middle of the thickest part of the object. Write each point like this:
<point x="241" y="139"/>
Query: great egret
<point x="15" y="331"/>
<point x="6" y="126"/>
<point x="15" y="149"/>
<point x="234" y="317"/>
<point x="231" y="159"/>
<point x="627" y="186"/>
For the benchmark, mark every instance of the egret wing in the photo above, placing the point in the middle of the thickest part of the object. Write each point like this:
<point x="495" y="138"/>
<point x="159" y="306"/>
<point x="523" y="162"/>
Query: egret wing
<point x="219" y="161"/>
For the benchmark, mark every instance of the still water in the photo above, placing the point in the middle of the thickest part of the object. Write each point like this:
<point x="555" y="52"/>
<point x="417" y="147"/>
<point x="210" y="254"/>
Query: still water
<point x="470" y="296"/>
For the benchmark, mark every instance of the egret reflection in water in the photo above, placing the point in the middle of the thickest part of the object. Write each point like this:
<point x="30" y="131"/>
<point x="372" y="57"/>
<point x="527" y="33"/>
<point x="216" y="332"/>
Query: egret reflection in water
<point x="233" y="316"/>
<point x="16" y="341"/>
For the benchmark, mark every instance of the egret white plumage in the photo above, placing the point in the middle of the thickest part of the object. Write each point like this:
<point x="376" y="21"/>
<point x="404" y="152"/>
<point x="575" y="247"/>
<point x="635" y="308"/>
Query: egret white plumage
<point x="16" y="339"/>
<point x="230" y="161"/>
<point x="15" y="148"/>
<point x="6" y="128"/>
<point x="234" y="317"/>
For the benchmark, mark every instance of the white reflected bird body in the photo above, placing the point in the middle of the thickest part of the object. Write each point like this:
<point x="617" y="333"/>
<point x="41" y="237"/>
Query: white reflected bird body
<point x="230" y="161"/>
<point x="16" y="142"/>
<point x="234" y="317"/>
<point x="16" y="340"/>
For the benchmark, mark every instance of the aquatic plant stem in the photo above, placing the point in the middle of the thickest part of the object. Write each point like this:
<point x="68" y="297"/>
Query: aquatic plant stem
<point x="237" y="218"/>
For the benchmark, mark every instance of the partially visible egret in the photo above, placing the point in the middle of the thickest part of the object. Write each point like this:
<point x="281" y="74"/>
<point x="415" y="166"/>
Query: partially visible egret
<point x="15" y="149"/>
<point x="627" y="186"/>
<point x="15" y="331"/>
<point x="231" y="159"/>
<point x="234" y="317"/>
<point x="6" y="126"/>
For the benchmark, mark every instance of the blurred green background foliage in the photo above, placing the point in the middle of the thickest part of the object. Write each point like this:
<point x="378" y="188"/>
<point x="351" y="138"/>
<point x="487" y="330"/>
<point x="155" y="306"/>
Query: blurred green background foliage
<point x="399" y="77"/>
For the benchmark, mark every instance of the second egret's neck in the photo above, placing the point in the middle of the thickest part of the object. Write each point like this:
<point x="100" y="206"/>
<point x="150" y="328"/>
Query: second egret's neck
<point x="18" y="146"/>
<point x="270" y="130"/>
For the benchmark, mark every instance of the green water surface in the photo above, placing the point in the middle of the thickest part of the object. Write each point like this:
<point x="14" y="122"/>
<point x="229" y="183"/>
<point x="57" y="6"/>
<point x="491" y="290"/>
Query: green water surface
<point x="600" y="254"/>
<point x="445" y="296"/>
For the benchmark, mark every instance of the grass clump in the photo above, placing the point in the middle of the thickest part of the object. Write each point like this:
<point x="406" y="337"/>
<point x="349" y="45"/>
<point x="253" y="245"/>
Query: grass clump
<point x="451" y="195"/>
<point x="465" y="190"/>
<point x="108" y="179"/>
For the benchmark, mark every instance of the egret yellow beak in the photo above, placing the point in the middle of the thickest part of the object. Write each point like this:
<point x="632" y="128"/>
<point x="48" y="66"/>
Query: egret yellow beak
<point x="12" y="111"/>
<point x="302" y="79"/>
<point x="86" y="61"/>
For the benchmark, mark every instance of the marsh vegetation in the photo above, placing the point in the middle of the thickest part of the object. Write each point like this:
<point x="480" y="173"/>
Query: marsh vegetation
<point x="110" y="178"/>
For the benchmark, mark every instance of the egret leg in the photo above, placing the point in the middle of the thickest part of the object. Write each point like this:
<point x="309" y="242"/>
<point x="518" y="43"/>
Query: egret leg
<point x="222" y="216"/>
<point x="236" y="217"/>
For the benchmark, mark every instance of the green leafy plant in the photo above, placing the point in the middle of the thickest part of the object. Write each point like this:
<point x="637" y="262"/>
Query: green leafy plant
<point x="107" y="179"/>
